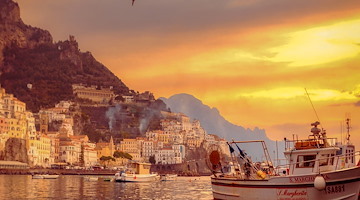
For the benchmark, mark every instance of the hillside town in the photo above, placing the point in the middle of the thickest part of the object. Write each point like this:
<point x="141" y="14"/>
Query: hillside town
<point x="47" y="146"/>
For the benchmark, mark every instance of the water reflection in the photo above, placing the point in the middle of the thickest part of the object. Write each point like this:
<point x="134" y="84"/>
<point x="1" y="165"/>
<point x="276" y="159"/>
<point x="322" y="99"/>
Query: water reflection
<point x="79" y="187"/>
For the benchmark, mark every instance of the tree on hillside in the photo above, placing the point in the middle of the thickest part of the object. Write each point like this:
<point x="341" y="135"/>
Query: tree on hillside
<point x="152" y="160"/>
<point x="128" y="156"/>
<point x="107" y="159"/>
<point x="120" y="154"/>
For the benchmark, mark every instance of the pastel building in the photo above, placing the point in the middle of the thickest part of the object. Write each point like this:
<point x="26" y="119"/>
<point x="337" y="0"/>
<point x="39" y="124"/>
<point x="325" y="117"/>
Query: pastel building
<point x="131" y="146"/>
<point x="170" y="155"/>
<point x="153" y="135"/>
<point x="97" y="95"/>
<point x="69" y="152"/>
<point x="105" y="148"/>
<point x="17" y="127"/>
<point x="39" y="151"/>
<point x="148" y="149"/>
<point x="55" y="148"/>
<point x="4" y="128"/>
<point x="88" y="156"/>
<point x="12" y="113"/>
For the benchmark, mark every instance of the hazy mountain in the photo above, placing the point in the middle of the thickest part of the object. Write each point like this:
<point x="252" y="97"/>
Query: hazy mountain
<point x="214" y="123"/>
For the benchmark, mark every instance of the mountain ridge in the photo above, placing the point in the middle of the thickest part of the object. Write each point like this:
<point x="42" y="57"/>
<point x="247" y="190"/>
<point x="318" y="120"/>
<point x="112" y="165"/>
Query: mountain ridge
<point x="214" y="123"/>
<point x="193" y="107"/>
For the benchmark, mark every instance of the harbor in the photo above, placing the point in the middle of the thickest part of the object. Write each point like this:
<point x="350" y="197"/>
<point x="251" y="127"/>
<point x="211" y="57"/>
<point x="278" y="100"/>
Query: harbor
<point x="193" y="100"/>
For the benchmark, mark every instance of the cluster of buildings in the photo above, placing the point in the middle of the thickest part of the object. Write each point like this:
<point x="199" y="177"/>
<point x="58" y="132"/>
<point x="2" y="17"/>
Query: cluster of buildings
<point x="46" y="145"/>
<point x="103" y="95"/>
<point x="169" y="144"/>
<point x="43" y="146"/>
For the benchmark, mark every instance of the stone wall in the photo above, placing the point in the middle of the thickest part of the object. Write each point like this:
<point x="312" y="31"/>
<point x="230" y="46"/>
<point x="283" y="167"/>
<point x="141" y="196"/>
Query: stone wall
<point x="188" y="168"/>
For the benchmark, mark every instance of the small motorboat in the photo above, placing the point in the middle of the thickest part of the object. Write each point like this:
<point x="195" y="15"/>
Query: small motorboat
<point x="45" y="176"/>
<point x="37" y="176"/>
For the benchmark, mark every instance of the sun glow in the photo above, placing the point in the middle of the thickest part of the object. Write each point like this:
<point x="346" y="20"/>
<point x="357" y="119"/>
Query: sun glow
<point x="320" y="45"/>
<point x="294" y="92"/>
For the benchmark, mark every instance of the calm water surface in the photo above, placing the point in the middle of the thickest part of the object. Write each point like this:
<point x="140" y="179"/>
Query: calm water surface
<point x="80" y="187"/>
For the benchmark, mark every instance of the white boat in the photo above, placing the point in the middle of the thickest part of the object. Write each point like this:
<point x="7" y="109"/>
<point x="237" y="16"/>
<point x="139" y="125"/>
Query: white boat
<point x="140" y="172"/>
<point x="317" y="168"/>
<point x="37" y="176"/>
<point x="45" y="176"/>
<point x="49" y="176"/>
<point x="89" y="178"/>
<point x="168" y="177"/>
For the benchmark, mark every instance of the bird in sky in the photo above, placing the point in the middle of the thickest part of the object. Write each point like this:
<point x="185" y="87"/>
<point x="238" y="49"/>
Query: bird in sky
<point x="133" y="2"/>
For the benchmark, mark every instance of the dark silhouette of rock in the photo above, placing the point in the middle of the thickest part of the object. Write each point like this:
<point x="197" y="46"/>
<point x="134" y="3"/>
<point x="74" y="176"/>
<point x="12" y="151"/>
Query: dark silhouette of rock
<point x="15" y="150"/>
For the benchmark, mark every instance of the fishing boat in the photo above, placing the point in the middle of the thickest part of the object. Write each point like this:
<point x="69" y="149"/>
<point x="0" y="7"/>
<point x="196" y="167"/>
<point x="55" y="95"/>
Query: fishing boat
<point x="168" y="177"/>
<point x="317" y="168"/>
<point x="138" y="172"/>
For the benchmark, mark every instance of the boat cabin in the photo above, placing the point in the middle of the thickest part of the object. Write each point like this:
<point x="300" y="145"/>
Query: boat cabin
<point x="309" y="161"/>
<point x="346" y="156"/>
<point x="140" y="168"/>
<point x="318" y="154"/>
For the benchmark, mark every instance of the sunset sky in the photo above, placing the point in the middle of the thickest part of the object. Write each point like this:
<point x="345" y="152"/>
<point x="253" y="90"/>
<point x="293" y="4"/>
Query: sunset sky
<point x="250" y="59"/>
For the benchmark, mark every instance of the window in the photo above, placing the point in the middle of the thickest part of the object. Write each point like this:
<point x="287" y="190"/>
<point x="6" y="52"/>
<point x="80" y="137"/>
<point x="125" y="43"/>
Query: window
<point x="323" y="161"/>
<point x="339" y="152"/>
<point x="305" y="161"/>
<point x="346" y="156"/>
<point x="351" y="155"/>
<point x="332" y="159"/>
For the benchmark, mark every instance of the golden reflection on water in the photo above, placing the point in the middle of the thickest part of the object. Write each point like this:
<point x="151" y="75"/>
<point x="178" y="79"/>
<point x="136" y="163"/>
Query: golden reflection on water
<point x="79" y="187"/>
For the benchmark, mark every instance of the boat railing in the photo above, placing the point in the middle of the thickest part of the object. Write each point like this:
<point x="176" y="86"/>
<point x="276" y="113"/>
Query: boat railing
<point x="249" y="166"/>
<point x="311" y="142"/>
<point x="354" y="156"/>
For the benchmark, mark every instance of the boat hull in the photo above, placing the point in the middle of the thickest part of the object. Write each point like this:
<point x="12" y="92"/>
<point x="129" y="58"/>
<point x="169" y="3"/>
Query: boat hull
<point x="343" y="184"/>
<point x="136" y="178"/>
<point x="51" y="176"/>
<point x="37" y="177"/>
<point x="45" y="176"/>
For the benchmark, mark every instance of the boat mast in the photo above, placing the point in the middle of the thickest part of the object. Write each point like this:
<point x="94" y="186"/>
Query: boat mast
<point x="277" y="154"/>
<point x="348" y="127"/>
<point x="313" y="108"/>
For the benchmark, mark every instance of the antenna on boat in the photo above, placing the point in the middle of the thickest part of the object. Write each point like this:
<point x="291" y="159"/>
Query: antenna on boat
<point x="341" y="132"/>
<point x="313" y="108"/>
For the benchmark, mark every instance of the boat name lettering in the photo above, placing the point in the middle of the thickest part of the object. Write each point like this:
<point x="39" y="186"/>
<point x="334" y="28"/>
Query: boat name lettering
<point x="304" y="179"/>
<point x="292" y="194"/>
<point x="335" y="189"/>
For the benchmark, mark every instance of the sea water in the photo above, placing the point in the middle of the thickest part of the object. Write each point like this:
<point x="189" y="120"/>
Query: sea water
<point x="82" y="187"/>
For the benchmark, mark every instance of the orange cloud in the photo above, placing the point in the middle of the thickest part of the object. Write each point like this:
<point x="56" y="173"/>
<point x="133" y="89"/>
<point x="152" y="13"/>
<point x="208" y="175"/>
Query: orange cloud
<point x="250" y="60"/>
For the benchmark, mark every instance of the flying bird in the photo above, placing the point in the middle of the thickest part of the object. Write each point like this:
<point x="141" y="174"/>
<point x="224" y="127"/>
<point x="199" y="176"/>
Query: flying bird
<point x="133" y="2"/>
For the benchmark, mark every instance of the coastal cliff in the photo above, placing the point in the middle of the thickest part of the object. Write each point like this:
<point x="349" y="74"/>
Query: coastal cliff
<point x="15" y="150"/>
<point x="29" y="57"/>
